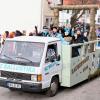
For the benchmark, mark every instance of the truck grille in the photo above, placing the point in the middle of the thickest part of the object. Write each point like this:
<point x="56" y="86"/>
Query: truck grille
<point x="15" y="75"/>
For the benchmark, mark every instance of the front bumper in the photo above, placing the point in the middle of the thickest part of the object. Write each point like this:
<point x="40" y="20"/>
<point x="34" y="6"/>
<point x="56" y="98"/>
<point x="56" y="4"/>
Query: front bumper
<point x="25" y="86"/>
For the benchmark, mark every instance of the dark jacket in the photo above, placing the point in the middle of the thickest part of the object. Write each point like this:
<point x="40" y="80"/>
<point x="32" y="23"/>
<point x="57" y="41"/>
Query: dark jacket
<point x="85" y="39"/>
<point x="80" y="39"/>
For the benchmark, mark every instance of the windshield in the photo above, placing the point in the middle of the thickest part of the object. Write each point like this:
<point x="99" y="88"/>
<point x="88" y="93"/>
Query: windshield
<point x="25" y="53"/>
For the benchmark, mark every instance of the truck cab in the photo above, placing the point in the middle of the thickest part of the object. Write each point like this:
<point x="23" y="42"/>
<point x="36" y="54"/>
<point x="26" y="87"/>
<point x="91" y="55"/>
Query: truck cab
<point x="31" y="63"/>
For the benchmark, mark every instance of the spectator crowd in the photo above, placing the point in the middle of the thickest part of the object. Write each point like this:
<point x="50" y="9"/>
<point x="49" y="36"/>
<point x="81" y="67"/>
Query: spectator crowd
<point x="67" y="34"/>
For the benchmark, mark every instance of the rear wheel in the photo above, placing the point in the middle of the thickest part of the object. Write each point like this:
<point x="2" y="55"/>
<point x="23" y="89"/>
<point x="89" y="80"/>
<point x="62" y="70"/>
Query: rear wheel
<point x="53" y="89"/>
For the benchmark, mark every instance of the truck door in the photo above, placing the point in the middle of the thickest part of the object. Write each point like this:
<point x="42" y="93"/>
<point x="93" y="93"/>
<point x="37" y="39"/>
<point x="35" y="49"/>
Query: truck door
<point x="52" y="62"/>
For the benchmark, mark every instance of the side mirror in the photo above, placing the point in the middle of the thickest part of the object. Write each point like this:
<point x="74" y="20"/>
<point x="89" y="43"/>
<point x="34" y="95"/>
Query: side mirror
<point x="58" y="58"/>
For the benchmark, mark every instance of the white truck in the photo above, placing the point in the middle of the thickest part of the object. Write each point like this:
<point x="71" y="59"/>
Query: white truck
<point x="35" y="63"/>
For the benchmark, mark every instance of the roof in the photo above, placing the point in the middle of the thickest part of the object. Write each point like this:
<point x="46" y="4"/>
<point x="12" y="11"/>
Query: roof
<point x="34" y="39"/>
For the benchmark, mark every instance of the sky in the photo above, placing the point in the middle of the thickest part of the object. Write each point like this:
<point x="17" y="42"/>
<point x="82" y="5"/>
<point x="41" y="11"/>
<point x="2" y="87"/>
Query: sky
<point x="19" y="14"/>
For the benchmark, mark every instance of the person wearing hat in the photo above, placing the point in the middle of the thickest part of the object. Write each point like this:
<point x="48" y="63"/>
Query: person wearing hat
<point x="45" y="31"/>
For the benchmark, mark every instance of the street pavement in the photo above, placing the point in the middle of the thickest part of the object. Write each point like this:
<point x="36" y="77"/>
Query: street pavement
<point x="88" y="90"/>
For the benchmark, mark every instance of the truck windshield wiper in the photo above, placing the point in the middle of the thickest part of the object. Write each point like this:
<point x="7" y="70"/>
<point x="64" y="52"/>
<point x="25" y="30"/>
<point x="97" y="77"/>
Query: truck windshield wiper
<point x="7" y="56"/>
<point x="25" y="59"/>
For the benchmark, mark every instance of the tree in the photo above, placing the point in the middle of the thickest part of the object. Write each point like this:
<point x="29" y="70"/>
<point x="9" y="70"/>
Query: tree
<point x="78" y="12"/>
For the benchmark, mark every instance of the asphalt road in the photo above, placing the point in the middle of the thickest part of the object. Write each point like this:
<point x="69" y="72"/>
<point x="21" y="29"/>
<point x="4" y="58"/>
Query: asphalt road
<point x="88" y="90"/>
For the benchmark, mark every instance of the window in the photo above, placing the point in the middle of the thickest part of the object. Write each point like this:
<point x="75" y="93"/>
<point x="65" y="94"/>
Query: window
<point x="25" y="53"/>
<point x="51" y="53"/>
<point x="67" y="11"/>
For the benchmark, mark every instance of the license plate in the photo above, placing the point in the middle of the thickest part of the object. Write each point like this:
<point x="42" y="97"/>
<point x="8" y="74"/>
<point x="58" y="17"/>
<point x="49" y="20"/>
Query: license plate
<point x="13" y="85"/>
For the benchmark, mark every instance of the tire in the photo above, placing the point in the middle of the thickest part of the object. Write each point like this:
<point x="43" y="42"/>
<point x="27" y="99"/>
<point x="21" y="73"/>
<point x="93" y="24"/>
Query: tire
<point x="53" y="89"/>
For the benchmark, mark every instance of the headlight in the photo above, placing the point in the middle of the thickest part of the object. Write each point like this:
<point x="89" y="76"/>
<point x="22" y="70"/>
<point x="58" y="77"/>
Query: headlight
<point x="36" y="78"/>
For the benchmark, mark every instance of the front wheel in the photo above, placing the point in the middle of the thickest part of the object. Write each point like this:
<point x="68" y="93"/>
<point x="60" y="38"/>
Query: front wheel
<point x="53" y="89"/>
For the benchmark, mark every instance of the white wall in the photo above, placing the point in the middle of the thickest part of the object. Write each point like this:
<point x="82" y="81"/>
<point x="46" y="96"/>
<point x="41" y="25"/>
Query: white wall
<point x="19" y="14"/>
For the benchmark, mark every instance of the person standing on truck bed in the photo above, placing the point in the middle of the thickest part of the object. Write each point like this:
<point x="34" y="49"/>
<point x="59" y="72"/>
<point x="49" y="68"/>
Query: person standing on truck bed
<point x="4" y="36"/>
<point x="11" y="34"/>
<point x="58" y="34"/>
<point x="61" y="31"/>
<point x="67" y="29"/>
<point x="85" y="36"/>
<point x="54" y="32"/>
<point x="18" y="33"/>
<point x="45" y="31"/>
<point x="79" y="37"/>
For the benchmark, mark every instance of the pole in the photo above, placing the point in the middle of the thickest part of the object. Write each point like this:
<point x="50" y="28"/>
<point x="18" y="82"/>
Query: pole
<point x="92" y="34"/>
<point x="92" y="24"/>
<point x="56" y="17"/>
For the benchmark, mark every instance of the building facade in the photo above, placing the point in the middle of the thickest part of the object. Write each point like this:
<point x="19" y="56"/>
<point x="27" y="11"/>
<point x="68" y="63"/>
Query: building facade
<point x="48" y="14"/>
<point x="65" y="15"/>
<point x="71" y="2"/>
